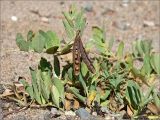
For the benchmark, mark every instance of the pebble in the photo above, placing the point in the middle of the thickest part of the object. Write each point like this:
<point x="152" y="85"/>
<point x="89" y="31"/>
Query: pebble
<point x="83" y="114"/>
<point x="108" y="117"/>
<point x="88" y="7"/>
<point x="70" y="113"/>
<point x="122" y="25"/>
<point x="62" y="2"/>
<point x="14" y="18"/>
<point x="125" y="3"/>
<point x="109" y="12"/>
<point x="94" y="113"/>
<point x="148" y="23"/>
<point x="47" y="116"/>
<point x="105" y="110"/>
<point x="45" y="19"/>
<point x="54" y="111"/>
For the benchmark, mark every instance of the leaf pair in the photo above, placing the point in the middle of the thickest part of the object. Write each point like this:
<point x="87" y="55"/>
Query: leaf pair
<point x="141" y="47"/>
<point x="39" y="41"/>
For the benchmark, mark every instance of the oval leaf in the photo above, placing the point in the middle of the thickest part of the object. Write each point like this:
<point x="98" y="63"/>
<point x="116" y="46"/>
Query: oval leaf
<point x="22" y="44"/>
<point x="55" y="95"/>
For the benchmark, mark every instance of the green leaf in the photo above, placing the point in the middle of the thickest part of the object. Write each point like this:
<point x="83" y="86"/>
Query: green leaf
<point x="28" y="88"/>
<point x="55" y="95"/>
<point x="30" y="35"/>
<point x="70" y="73"/>
<point x="66" y="49"/>
<point x="45" y="65"/>
<point x="69" y="30"/>
<point x="133" y="94"/>
<point x="41" y="88"/>
<point x="97" y="98"/>
<point x="21" y="43"/>
<point x="69" y="19"/>
<point x="35" y="86"/>
<point x="146" y="46"/>
<point x="129" y="61"/>
<point x="98" y="34"/>
<point x="38" y="43"/>
<point x="52" y="43"/>
<point x="82" y="81"/>
<point x="156" y="99"/>
<point x="146" y="65"/>
<point x="146" y="98"/>
<point x="56" y="66"/>
<point x="139" y="47"/>
<point x="155" y="62"/>
<point x="110" y="45"/>
<point x="45" y="91"/>
<point x="45" y="77"/>
<point x="42" y="99"/>
<point x="134" y="49"/>
<point x="98" y="38"/>
<point x="116" y="82"/>
<point x="120" y="50"/>
<point x="46" y="84"/>
<point x="136" y="72"/>
<point x="89" y="46"/>
<point x="80" y="21"/>
<point x="59" y="85"/>
<point x="107" y="93"/>
<point x="66" y="72"/>
<point x="73" y="11"/>
<point x="84" y="69"/>
<point x="100" y="47"/>
<point x="76" y="93"/>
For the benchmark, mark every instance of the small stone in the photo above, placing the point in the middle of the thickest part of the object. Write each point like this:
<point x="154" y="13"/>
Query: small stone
<point x="105" y="110"/>
<point x="47" y="116"/>
<point x="125" y="3"/>
<point x="14" y="18"/>
<point x="62" y="2"/>
<point x="54" y="111"/>
<point x="45" y="19"/>
<point x="88" y="7"/>
<point x="70" y="113"/>
<point x="148" y="24"/>
<point x="109" y="12"/>
<point x="83" y="114"/>
<point x="122" y="25"/>
<point x="94" y="113"/>
<point x="108" y="117"/>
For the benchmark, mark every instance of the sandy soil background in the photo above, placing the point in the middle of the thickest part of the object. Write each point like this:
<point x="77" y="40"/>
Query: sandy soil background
<point x="125" y="20"/>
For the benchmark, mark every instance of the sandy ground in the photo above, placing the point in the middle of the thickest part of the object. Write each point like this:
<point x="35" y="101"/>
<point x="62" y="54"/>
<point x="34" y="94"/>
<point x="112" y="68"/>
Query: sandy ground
<point x="127" y="22"/>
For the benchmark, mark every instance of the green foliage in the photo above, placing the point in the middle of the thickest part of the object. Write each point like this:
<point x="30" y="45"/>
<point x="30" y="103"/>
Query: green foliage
<point x="73" y="21"/>
<point x="21" y="43"/>
<point x="115" y="77"/>
<point x="39" y="42"/>
<point x="99" y="39"/>
<point x="155" y="62"/>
